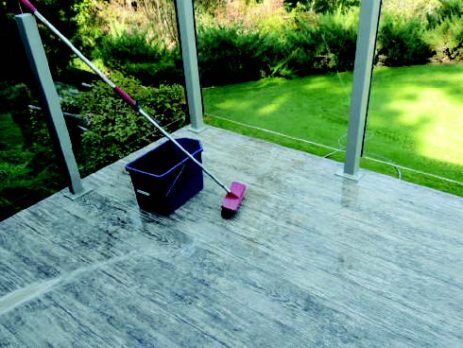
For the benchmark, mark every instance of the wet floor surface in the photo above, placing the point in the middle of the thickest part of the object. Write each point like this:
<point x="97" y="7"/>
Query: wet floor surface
<point x="310" y="260"/>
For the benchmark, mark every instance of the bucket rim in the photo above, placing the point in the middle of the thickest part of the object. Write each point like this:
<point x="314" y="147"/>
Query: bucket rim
<point x="129" y="167"/>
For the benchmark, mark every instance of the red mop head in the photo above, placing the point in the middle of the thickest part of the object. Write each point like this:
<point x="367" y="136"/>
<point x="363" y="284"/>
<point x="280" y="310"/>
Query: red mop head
<point x="232" y="200"/>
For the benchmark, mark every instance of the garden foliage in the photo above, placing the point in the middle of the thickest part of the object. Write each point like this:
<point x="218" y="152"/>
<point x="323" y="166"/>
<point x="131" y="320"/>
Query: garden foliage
<point x="150" y="61"/>
<point x="446" y="30"/>
<point x="240" y="41"/>
<point x="115" y="130"/>
<point x="402" y="42"/>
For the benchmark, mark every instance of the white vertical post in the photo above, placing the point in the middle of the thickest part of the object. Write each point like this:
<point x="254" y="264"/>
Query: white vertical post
<point x="370" y="11"/>
<point x="50" y="100"/>
<point x="187" y="32"/>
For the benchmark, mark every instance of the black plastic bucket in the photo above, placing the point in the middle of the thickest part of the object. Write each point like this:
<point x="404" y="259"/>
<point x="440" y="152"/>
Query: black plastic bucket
<point x="164" y="179"/>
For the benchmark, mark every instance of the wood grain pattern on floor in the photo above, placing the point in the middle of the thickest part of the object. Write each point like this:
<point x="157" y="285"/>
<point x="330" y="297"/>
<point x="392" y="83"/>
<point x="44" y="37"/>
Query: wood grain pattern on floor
<point x="311" y="260"/>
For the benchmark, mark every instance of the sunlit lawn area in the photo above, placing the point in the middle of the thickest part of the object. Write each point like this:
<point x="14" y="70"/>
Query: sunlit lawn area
<point x="416" y="117"/>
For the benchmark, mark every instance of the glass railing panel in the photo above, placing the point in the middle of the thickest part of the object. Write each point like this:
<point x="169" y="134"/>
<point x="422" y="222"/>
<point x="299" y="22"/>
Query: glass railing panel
<point x="281" y="72"/>
<point x="415" y="126"/>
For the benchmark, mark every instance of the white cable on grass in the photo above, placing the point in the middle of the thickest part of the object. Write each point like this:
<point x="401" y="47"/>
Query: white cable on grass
<point x="273" y="132"/>
<point x="335" y="150"/>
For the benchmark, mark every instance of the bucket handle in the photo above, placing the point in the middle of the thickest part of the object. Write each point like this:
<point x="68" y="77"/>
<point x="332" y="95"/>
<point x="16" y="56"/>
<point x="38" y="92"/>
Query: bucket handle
<point x="176" y="179"/>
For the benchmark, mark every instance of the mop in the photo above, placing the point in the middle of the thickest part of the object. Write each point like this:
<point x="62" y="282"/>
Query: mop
<point x="234" y="195"/>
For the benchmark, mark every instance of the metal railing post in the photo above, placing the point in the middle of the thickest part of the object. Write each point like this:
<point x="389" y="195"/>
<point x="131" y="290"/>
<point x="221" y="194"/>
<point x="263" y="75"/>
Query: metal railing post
<point x="366" y="45"/>
<point x="187" y="33"/>
<point x="50" y="100"/>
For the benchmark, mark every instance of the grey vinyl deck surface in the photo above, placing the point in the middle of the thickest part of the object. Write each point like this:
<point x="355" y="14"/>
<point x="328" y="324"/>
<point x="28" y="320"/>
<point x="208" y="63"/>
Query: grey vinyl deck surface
<point x="311" y="260"/>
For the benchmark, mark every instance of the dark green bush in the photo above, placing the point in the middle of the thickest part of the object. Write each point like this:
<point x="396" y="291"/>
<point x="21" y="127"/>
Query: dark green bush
<point x="274" y="54"/>
<point x="229" y="55"/>
<point x="14" y="97"/>
<point x="130" y="48"/>
<point x="232" y="54"/>
<point x="303" y="48"/>
<point x="311" y="45"/>
<point x="290" y="55"/>
<point x="90" y="26"/>
<point x="401" y="41"/>
<point x="167" y="70"/>
<point x="447" y="10"/>
<point x="28" y="170"/>
<point x="28" y="166"/>
<point x="35" y="134"/>
<point x="447" y="39"/>
<point x="338" y="34"/>
<point x="115" y="130"/>
<point x="148" y="61"/>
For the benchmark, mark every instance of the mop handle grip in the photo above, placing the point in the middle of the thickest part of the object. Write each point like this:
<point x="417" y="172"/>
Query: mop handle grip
<point x="29" y="5"/>
<point x="126" y="97"/>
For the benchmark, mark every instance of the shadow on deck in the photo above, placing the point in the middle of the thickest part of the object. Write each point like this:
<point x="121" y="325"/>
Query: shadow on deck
<point x="311" y="260"/>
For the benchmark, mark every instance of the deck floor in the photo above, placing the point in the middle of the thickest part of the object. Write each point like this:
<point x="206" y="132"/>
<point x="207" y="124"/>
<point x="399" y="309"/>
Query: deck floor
<point x="312" y="260"/>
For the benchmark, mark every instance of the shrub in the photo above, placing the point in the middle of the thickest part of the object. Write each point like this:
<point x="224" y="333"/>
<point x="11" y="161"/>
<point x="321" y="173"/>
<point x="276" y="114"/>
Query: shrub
<point x="402" y="42"/>
<point x="167" y="70"/>
<point x="275" y="49"/>
<point x="14" y="97"/>
<point x="89" y="22"/>
<point x="447" y="39"/>
<point x="28" y="167"/>
<point x="312" y="44"/>
<point x="115" y="130"/>
<point x="35" y="135"/>
<point x="302" y="47"/>
<point x="130" y="47"/>
<point x="229" y="55"/>
<point x="147" y="60"/>
<point x="36" y="138"/>
<point x="448" y="9"/>
<point x="338" y="33"/>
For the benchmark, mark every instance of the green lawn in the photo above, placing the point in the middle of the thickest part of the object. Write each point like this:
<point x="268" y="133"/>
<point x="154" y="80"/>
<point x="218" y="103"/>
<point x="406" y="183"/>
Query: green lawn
<point x="416" y="118"/>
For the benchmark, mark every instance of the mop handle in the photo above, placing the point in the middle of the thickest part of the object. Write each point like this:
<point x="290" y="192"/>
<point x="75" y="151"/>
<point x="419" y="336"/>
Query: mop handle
<point x="123" y="94"/>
